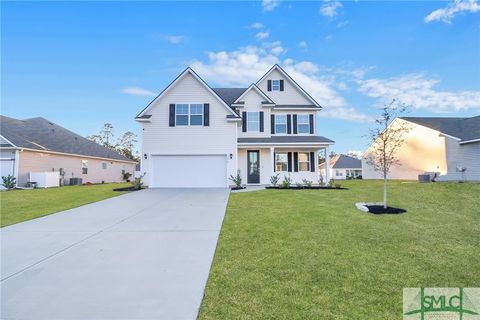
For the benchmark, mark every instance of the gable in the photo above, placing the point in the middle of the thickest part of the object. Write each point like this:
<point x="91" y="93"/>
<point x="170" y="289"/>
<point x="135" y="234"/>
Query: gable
<point x="192" y="85"/>
<point x="254" y="93"/>
<point x="292" y="94"/>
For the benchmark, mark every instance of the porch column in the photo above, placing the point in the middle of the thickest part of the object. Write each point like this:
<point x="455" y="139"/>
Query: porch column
<point x="327" y="165"/>
<point x="272" y="161"/>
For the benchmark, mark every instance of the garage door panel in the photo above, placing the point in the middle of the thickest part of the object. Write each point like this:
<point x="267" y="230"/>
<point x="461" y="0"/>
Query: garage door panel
<point x="189" y="171"/>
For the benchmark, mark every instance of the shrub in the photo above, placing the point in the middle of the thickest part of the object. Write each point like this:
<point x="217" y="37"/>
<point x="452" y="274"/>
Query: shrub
<point x="299" y="185"/>
<point x="126" y="176"/>
<point x="320" y="180"/>
<point x="337" y="185"/>
<point x="331" y="182"/>
<point x="307" y="183"/>
<point x="137" y="183"/>
<point x="287" y="181"/>
<point x="237" y="180"/>
<point x="274" y="179"/>
<point x="9" y="181"/>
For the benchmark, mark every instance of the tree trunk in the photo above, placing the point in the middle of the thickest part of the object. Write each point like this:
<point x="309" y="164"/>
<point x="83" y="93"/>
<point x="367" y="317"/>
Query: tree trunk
<point x="385" y="191"/>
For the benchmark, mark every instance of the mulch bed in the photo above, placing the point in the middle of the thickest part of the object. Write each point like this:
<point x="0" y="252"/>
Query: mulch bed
<point x="237" y="188"/>
<point x="375" y="209"/>
<point x="307" y="188"/>
<point x="127" y="189"/>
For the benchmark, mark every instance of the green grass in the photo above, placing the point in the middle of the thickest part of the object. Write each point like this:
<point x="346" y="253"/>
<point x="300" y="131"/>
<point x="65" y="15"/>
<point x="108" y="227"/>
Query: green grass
<point x="21" y="205"/>
<point x="310" y="254"/>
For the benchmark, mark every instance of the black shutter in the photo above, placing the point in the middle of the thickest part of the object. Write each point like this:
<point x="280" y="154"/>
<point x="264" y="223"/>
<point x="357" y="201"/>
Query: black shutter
<point x="171" y="118"/>
<point x="294" y="124"/>
<point x="269" y="85"/>
<point x="206" y="114"/>
<point x="289" y="123"/>
<point x="244" y="121"/>
<point x="274" y="164"/>
<point x="295" y="161"/>
<point x="312" y="161"/>
<point x="289" y="166"/>
<point x="311" y="123"/>
<point x="272" y="124"/>
<point x="281" y="85"/>
<point x="260" y="116"/>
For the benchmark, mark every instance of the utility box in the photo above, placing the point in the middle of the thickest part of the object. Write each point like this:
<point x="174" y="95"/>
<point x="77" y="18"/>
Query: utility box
<point x="424" y="178"/>
<point x="75" y="181"/>
<point x="45" y="179"/>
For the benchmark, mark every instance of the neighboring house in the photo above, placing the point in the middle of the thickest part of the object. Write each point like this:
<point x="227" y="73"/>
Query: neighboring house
<point x="197" y="136"/>
<point x="441" y="145"/>
<point x="38" y="145"/>
<point x="343" y="167"/>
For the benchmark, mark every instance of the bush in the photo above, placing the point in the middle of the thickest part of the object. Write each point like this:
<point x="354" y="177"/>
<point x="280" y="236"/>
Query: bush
<point x="337" y="185"/>
<point x="137" y="183"/>
<point x="320" y="180"/>
<point x="331" y="182"/>
<point x="274" y="179"/>
<point x="299" y="185"/>
<point x="237" y="180"/>
<point x="126" y="176"/>
<point x="307" y="183"/>
<point x="9" y="182"/>
<point x="287" y="181"/>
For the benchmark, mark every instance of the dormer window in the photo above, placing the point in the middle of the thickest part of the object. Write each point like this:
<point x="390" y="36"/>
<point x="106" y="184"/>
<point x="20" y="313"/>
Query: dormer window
<point x="275" y="85"/>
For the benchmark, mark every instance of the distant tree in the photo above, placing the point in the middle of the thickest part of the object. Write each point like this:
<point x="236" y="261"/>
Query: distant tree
<point x="125" y="145"/>
<point x="356" y="155"/>
<point x="104" y="137"/>
<point x="386" y="141"/>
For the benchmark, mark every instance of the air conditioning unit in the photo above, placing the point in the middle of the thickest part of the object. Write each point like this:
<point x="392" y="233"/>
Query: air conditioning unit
<point x="424" y="178"/>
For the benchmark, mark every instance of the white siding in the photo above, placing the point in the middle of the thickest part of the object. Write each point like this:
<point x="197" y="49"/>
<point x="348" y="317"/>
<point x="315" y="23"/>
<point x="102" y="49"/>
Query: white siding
<point x="218" y="138"/>
<point x="253" y="103"/>
<point x="290" y="95"/>
<point x="467" y="156"/>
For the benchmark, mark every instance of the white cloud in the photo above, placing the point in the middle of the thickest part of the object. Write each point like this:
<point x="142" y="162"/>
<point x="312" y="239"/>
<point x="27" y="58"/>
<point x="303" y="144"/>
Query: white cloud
<point x="256" y="25"/>
<point x="269" y="5"/>
<point x="174" y="39"/>
<point x="303" y="44"/>
<point x="418" y="92"/>
<point x="355" y="153"/>
<point x="262" y="35"/>
<point x="329" y="37"/>
<point x="136" y="91"/>
<point x="456" y="7"/>
<point x="329" y="9"/>
<point x="342" y="24"/>
<point x="246" y="65"/>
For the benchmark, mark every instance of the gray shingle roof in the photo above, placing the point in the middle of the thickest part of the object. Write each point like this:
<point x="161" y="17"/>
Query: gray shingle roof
<point x="463" y="128"/>
<point x="286" y="139"/>
<point x="229" y="95"/>
<point x="346" y="162"/>
<point x="41" y="134"/>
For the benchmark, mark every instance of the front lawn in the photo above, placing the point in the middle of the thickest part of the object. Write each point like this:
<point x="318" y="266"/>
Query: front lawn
<point x="310" y="254"/>
<point x="22" y="205"/>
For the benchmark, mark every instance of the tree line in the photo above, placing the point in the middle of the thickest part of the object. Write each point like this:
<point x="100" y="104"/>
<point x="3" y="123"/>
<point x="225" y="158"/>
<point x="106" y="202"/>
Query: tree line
<point x="125" y="144"/>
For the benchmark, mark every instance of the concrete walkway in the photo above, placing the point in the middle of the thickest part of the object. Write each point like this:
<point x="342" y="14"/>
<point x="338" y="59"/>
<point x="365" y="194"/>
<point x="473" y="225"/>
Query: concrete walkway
<point x="143" y="255"/>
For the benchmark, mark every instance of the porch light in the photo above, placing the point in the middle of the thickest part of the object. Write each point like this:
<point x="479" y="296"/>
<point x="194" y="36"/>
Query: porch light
<point x="145" y="156"/>
<point x="231" y="156"/>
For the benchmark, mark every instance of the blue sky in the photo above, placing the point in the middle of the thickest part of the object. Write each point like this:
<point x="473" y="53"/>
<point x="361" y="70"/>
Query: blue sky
<point x="81" y="64"/>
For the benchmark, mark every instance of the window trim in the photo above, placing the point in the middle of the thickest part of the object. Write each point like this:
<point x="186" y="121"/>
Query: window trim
<point x="257" y="121"/>
<point x="286" y="124"/>
<point x="307" y="162"/>
<point x="189" y="114"/>
<point x="286" y="161"/>
<point x="307" y="116"/>
<point x="273" y="85"/>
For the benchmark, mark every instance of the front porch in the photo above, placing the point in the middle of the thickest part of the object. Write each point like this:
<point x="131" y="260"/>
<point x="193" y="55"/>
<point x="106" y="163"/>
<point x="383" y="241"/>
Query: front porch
<point x="258" y="163"/>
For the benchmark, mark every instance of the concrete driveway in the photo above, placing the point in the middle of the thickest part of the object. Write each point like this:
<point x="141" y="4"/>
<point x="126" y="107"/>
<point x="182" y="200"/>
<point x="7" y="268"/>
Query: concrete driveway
<point x="143" y="255"/>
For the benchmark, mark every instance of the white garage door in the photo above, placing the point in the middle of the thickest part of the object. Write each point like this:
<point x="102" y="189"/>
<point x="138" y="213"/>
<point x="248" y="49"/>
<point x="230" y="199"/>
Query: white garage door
<point x="6" y="167"/>
<point x="189" y="171"/>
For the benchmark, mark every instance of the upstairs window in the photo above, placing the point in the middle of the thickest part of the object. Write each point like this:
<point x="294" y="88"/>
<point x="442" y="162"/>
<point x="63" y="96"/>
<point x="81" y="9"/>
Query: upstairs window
<point x="189" y="114"/>
<point x="181" y="114"/>
<point x="275" y="85"/>
<point x="280" y="123"/>
<point x="281" y="161"/>
<point x="84" y="166"/>
<point x="196" y="114"/>
<point x="253" y="122"/>
<point x="303" y="123"/>
<point x="104" y="166"/>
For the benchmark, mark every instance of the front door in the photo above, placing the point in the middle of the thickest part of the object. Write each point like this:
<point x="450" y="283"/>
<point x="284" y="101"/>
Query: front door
<point x="253" y="166"/>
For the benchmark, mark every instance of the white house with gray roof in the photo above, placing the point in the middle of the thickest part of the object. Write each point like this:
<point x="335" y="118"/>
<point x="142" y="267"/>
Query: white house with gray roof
<point x="343" y="167"/>
<point x="197" y="136"/>
<point x="39" y="145"/>
<point x="447" y="146"/>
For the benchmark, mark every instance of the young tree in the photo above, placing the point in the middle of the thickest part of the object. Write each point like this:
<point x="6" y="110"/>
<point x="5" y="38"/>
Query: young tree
<point x="387" y="138"/>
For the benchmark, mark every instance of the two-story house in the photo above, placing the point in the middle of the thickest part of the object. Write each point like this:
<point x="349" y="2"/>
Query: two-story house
<point x="197" y="136"/>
